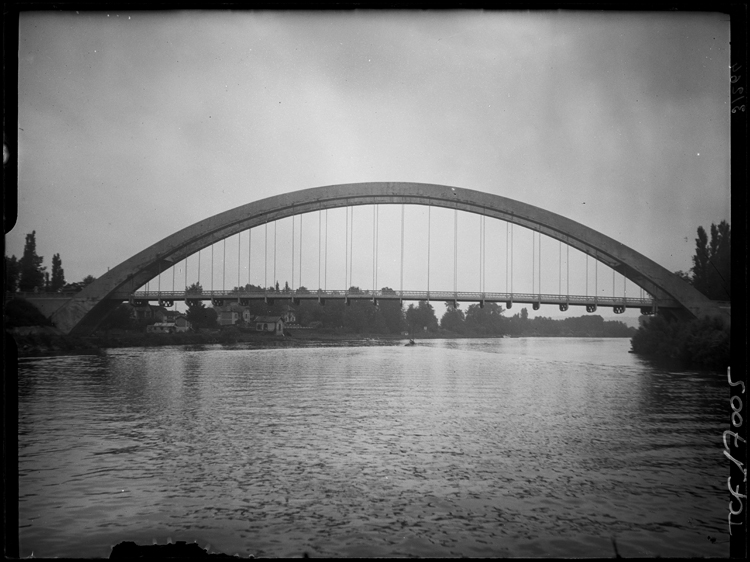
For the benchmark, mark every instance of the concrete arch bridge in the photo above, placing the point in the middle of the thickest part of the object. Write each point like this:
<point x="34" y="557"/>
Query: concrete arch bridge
<point x="82" y="312"/>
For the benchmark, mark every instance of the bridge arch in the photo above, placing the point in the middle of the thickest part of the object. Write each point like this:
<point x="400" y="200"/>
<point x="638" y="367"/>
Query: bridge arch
<point x="85" y="311"/>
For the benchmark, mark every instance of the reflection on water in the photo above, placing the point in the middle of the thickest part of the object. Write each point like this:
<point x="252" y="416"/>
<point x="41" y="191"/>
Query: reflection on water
<point x="511" y="447"/>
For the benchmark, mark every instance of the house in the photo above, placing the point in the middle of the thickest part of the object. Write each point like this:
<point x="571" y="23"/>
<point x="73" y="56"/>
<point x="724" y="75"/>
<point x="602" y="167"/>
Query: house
<point x="247" y="317"/>
<point x="182" y="324"/>
<point x="179" y="323"/>
<point x="227" y="317"/>
<point x="161" y="328"/>
<point x="148" y="312"/>
<point x="270" y="324"/>
<point x="233" y="313"/>
<point x="289" y="316"/>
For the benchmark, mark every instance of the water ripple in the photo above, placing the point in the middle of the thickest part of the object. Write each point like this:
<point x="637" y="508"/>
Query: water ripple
<point x="544" y="447"/>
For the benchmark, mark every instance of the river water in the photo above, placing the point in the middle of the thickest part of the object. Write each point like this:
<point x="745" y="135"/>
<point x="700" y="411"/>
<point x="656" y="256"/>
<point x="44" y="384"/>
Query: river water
<point x="484" y="447"/>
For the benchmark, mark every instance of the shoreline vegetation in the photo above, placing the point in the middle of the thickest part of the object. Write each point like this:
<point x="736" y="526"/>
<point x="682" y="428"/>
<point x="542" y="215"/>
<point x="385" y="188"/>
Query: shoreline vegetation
<point x="702" y="344"/>
<point x="357" y="324"/>
<point x="699" y="343"/>
<point x="42" y="341"/>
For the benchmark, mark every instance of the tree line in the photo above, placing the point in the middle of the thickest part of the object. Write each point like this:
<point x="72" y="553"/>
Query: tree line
<point x="490" y="321"/>
<point x="28" y="275"/>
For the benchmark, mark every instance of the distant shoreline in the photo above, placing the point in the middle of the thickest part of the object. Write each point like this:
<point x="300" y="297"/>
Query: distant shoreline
<point x="41" y="341"/>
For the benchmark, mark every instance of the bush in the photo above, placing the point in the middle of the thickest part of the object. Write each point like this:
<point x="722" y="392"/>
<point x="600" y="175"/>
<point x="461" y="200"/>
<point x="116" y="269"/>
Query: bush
<point x="700" y="343"/>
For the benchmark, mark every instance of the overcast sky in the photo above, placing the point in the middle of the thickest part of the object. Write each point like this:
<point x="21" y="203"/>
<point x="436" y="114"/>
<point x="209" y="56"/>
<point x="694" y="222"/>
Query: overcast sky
<point x="133" y="125"/>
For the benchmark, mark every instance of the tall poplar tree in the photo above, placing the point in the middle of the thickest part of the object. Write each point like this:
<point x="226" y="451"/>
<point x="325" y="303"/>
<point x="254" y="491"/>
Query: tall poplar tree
<point x="712" y="262"/>
<point x="58" y="274"/>
<point x="32" y="272"/>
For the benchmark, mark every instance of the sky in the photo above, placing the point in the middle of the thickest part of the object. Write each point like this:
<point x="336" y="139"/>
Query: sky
<point x="133" y="125"/>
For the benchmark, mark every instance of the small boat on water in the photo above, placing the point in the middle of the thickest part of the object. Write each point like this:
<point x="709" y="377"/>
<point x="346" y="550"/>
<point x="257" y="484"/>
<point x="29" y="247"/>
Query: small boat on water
<point x="411" y="342"/>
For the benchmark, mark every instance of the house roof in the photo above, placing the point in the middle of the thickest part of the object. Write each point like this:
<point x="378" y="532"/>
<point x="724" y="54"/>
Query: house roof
<point x="267" y="318"/>
<point x="174" y="314"/>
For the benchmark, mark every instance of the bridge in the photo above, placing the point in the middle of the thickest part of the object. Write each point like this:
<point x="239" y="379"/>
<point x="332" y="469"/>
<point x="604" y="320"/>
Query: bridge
<point x="222" y="297"/>
<point x="130" y="281"/>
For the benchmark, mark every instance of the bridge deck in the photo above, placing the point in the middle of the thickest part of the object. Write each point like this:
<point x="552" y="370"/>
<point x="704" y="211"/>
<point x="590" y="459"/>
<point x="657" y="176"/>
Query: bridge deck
<point x="524" y="298"/>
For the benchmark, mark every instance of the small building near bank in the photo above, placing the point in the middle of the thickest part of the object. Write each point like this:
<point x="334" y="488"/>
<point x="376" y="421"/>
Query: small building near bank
<point x="182" y="323"/>
<point x="178" y="323"/>
<point x="161" y="328"/>
<point x="232" y="314"/>
<point x="289" y="316"/>
<point x="227" y="317"/>
<point x="149" y="312"/>
<point x="269" y="324"/>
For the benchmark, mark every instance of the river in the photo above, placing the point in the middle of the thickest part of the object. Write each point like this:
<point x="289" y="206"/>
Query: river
<point x="539" y="447"/>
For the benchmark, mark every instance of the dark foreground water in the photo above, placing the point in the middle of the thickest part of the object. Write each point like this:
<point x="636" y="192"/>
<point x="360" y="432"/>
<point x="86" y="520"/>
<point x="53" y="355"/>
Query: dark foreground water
<point x="510" y="447"/>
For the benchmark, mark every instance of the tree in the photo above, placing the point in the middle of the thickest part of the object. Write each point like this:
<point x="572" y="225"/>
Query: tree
<point x="712" y="262"/>
<point x="58" y="274"/>
<point x="119" y="318"/>
<point x="488" y="320"/>
<point x="12" y="273"/>
<point x="453" y="319"/>
<point x="359" y="316"/>
<point x="420" y="317"/>
<point x="200" y="316"/>
<point x="194" y="289"/>
<point x="392" y="312"/>
<point x="701" y="343"/>
<point x="32" y="272"/>
<point x="88" y="280"/>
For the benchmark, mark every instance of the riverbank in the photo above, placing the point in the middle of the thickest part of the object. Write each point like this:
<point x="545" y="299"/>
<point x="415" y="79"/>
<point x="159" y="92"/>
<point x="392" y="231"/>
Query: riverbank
<point x="41" y="341"/>
<point x="694" y="344"/>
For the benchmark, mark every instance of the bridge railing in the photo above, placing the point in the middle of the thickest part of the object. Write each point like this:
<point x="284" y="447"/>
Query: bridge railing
<point x="459" y="296"/>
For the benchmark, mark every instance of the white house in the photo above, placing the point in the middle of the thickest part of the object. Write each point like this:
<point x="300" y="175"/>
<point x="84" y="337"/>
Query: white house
<point x="270" y="324"/>
<point x="233" y="313"/>
<point x="289" y="316"/>
<point x="179" y="324"/>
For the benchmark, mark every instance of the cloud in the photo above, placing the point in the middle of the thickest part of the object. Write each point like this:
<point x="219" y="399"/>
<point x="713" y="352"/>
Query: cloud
<point x="149" y="124"/>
